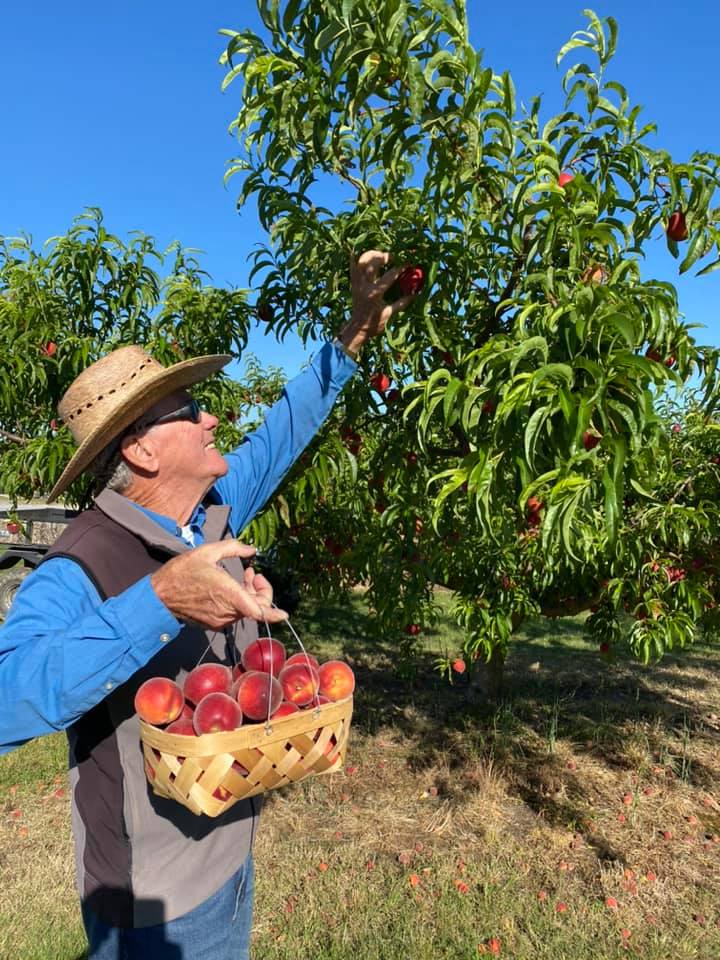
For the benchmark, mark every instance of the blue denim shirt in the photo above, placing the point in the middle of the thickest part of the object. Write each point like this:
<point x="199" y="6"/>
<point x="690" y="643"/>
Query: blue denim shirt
<point x="62" y="649"/>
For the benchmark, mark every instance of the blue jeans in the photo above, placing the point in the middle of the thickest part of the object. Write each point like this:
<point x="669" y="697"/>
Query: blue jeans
<point x="218" y="929"/>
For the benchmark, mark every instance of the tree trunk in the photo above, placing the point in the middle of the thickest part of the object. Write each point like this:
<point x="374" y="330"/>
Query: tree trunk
<point x="488" y="676"/>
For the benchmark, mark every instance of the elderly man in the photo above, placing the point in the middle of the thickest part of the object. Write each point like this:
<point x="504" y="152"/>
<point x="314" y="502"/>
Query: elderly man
<point x="147" y="582"/>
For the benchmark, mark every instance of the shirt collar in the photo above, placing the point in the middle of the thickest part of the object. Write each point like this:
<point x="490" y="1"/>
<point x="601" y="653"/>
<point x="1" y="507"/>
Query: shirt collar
<point x="195" y="523"/>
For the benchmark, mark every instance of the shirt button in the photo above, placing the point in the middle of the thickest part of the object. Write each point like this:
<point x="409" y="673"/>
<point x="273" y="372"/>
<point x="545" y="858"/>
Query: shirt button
<point x="164" y="637"/>
<point x="108" y="686"/>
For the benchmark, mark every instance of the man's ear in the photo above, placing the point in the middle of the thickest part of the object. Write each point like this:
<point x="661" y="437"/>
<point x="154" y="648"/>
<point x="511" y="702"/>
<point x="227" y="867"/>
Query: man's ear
<point x="139" y="451"/>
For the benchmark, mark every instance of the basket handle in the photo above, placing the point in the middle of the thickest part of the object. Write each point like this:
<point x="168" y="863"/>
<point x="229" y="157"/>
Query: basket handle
<point x="268" y="725"/>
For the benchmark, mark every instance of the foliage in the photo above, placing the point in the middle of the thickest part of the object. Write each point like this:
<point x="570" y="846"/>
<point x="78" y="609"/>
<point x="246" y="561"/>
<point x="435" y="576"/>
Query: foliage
<point x="85" y="294"/>
<point x="522" y="457"/>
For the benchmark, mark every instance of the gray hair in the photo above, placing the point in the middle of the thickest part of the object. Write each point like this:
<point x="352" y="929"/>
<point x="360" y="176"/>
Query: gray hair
<point x="110" y="469"/>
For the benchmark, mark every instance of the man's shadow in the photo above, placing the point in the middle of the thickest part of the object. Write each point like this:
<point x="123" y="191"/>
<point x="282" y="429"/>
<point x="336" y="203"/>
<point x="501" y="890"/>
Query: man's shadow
<point x="112" y="943"/>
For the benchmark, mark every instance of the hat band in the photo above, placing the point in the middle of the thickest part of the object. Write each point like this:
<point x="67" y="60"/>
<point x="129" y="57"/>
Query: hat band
<point x="90" y="403"/>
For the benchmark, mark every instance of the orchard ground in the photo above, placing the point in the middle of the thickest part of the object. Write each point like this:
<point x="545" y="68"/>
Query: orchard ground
<point x="578" y="819"/>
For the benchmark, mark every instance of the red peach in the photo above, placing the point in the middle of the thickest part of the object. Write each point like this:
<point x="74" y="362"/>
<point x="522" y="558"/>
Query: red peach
<point x="217" y="712"/>
<point x="259" y="694"/>
<point x="182" y="726"/>
<point x="677" y="226"/>
<point x="411" y="280"/>
<point x="300" y="683"/>
<point x="380" y="381"/>
<point x="337" y="681"/>
<point x="285" y="709"/>
<point x="159" y="700"/>
<point x="187" y="711"/>
<point x="303" y="658"/>
<point x="206" y="678"/>
<point x="564" y="179"/>
<point x="264" y="654"/>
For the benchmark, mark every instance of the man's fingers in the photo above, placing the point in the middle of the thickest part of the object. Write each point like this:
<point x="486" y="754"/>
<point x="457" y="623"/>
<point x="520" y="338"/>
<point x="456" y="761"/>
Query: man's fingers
<point x="262" y="585"/>
<point x="384" y="282"/>
<point x="371" y="262"/>
<point x="256" y="606"/>
<point x="401" y="303"/>
<point x="274" y="615"/>
<point x="214" y="552"/>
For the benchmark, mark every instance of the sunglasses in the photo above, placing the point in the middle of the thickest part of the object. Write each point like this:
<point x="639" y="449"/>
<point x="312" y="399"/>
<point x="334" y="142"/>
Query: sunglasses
<point x="188" y="411"/>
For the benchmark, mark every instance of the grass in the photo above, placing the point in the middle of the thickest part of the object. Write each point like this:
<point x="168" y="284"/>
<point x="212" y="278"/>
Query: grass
<point x="458" y="826"/>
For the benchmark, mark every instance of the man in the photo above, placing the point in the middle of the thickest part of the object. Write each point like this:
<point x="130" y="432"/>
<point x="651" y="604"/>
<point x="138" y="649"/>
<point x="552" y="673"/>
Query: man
<point x="134" y="588"/>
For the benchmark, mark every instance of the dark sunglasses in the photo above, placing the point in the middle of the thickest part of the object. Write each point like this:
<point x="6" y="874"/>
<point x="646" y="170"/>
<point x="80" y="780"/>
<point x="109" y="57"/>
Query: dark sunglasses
<point x="188" y="411"/>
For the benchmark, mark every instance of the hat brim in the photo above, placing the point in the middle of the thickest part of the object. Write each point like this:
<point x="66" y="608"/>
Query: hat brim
<point x="179" y="375"/>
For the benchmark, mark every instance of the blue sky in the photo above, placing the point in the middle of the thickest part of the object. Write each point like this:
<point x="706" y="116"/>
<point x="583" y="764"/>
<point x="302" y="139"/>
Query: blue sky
<point x="119" y="106"/>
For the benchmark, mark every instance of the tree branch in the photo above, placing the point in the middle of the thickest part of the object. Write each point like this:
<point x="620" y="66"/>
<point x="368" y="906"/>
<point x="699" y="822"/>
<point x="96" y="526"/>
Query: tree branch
<point x="13" y="436"/>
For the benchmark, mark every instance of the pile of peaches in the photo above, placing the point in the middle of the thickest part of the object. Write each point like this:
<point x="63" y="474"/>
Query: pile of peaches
<point x="266" y="684"/>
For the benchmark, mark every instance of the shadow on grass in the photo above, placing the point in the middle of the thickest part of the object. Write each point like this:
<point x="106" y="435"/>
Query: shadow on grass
<point x="557" y="688"/>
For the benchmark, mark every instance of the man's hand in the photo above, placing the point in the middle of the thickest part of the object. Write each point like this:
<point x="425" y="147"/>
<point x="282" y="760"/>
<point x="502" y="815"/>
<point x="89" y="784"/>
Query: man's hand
<point x="370" y="312"/>
<point x="194" y="587"/>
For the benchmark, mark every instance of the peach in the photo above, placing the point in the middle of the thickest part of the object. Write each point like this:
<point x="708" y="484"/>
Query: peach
<point x="206" y="678"/>
<point x="183" y="726"/>
<point x="300" y="683"/>
<point x="237" y="671"/>
<point x="329" y="746"/>
<point x="264" y="654"/>
<point x="187" y="711"/>
<point x="159" y="700"/>
<point x="217" y="712"/>
<point x="259" y="695"/>
<point x="285" y="709"/>
<point x="303" y="658"/>
<point x="337" y="681"/>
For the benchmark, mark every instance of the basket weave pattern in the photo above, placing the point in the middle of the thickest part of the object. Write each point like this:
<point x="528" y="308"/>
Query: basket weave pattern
<point x="244" y="762"/>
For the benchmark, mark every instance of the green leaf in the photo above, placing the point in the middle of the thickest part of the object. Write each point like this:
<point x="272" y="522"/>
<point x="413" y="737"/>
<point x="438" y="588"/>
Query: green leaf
<point x="330" y="33"/>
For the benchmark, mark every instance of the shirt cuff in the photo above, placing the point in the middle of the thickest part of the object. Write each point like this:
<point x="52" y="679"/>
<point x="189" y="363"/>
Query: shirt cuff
<point x="348" y="353"/>
<point x="144" y="619"/>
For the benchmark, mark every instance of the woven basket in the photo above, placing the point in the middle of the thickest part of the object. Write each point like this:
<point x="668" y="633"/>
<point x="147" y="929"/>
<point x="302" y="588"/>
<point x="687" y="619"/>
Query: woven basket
<point x="210" y="773"/>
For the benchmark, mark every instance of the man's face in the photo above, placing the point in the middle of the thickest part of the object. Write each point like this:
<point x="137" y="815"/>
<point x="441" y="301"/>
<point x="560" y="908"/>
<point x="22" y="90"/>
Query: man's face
<point x="185" y="451"/>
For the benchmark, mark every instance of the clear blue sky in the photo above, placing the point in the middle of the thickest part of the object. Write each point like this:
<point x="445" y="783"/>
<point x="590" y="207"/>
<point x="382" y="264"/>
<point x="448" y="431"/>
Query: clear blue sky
<point x="119" y="106"/>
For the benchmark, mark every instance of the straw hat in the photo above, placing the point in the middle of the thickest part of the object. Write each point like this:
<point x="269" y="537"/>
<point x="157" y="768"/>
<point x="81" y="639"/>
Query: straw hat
<point x="115" y="391"/>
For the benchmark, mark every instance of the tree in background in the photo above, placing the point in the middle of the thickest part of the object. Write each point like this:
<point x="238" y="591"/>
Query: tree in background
<point x="84" y="295"/>
<point x="509" y="438"/>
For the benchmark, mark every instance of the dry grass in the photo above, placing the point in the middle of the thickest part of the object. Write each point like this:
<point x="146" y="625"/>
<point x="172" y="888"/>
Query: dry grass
<point x="456" y="821"/>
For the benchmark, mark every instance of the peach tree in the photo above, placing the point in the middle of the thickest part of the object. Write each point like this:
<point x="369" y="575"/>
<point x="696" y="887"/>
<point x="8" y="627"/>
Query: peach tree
<point x="78" y="297"/>
<point x="509" y="437"/>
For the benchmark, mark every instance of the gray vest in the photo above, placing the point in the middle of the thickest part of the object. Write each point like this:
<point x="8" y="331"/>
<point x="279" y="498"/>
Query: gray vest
<point x="143" y="859"/>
